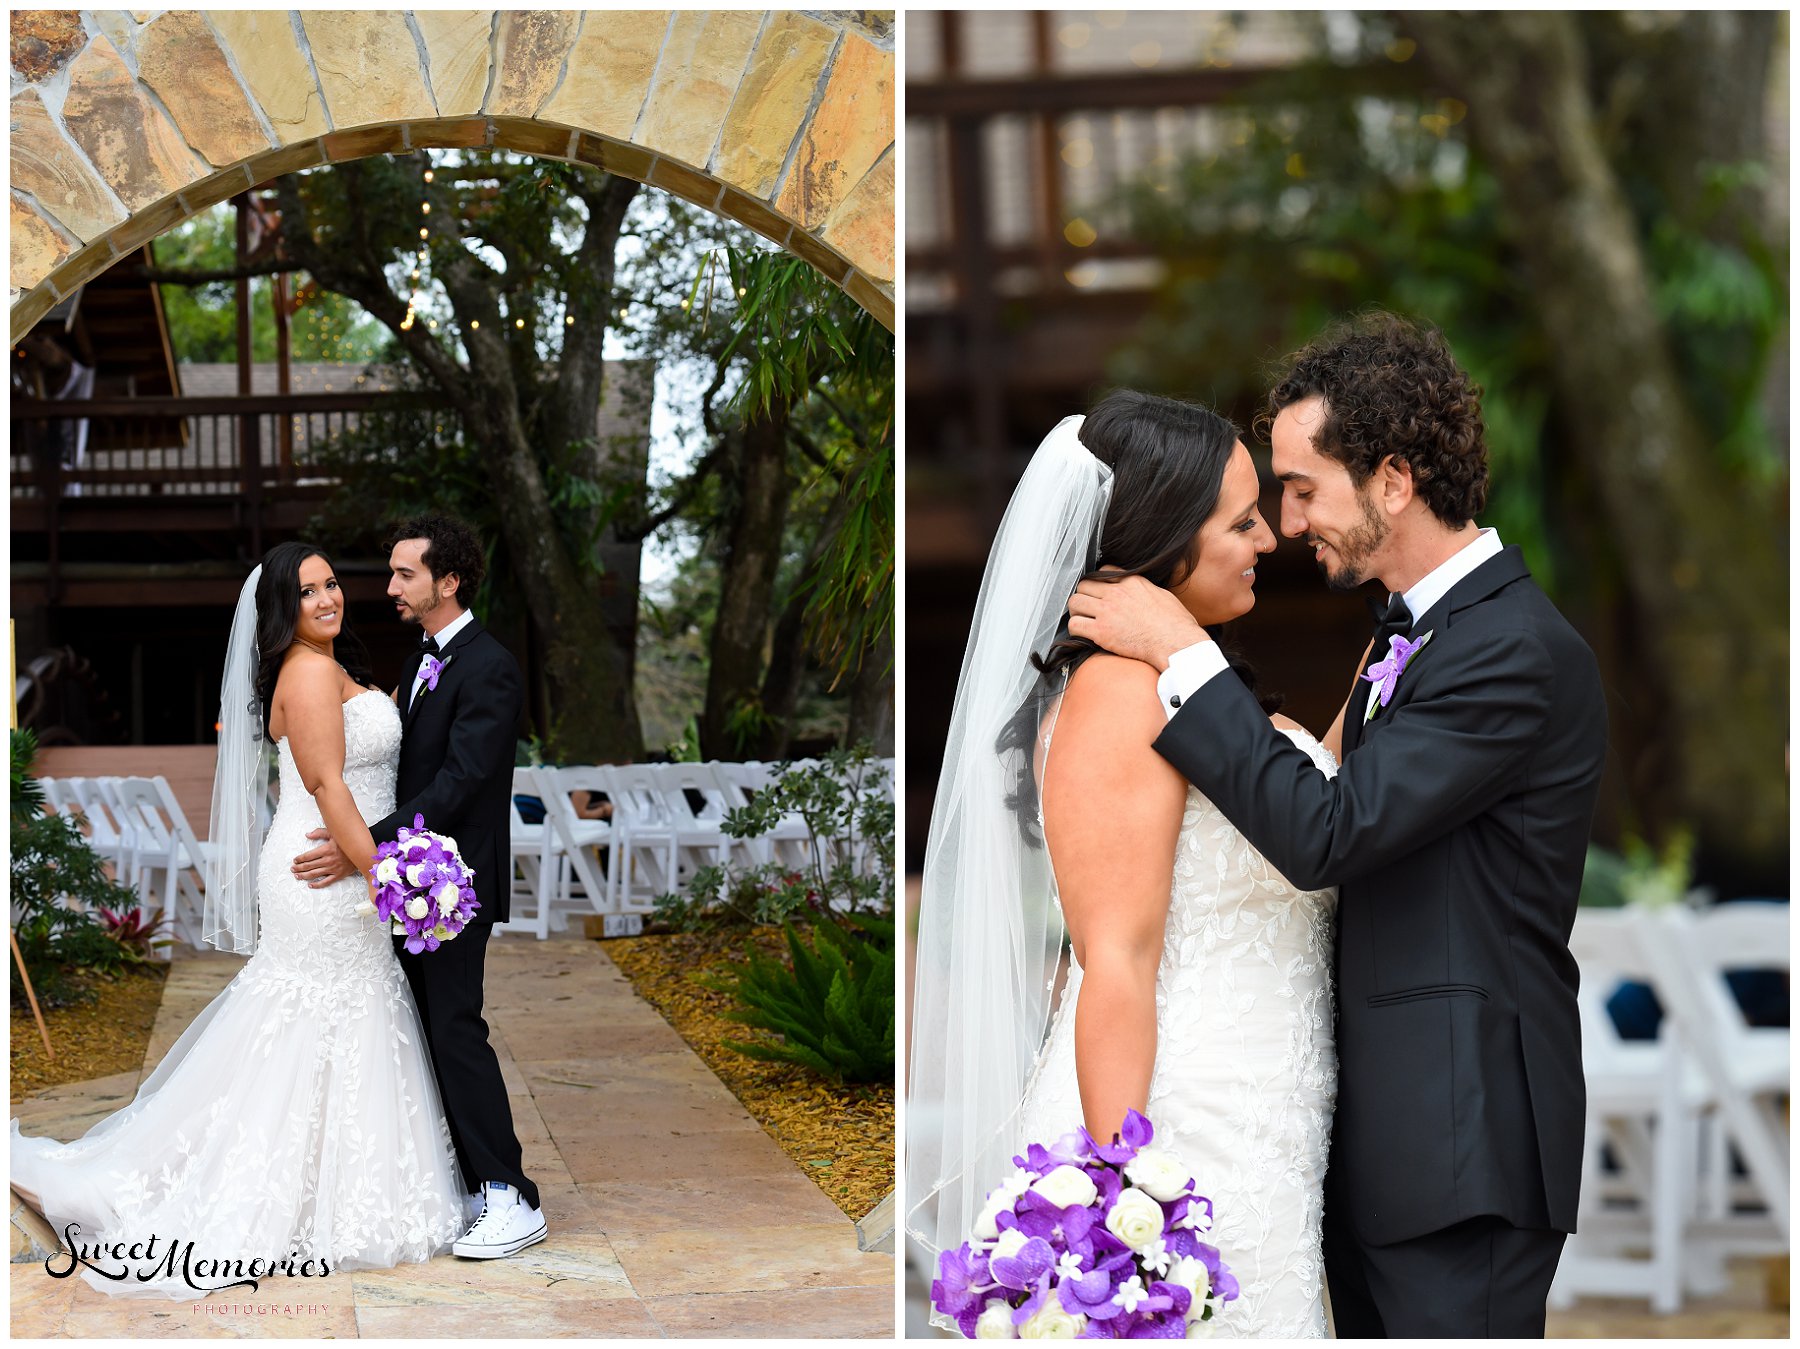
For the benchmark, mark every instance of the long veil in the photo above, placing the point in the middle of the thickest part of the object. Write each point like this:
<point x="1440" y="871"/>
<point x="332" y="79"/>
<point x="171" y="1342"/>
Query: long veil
<point x="228" y="918"/>
<point x="990" y="931"/>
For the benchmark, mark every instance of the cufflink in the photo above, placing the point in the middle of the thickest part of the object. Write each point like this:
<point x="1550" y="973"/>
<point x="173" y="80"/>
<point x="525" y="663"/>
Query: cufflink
<point x="1174" y="700"/>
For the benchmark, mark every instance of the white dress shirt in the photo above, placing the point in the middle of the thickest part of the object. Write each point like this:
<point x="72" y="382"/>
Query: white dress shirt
<point x="448" y="631"/>
<point x="1190" y="667"/>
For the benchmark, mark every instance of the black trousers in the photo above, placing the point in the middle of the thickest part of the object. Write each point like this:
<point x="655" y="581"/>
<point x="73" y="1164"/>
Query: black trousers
<point x="1481" y="1279"/>
<point x="446" y="983"/>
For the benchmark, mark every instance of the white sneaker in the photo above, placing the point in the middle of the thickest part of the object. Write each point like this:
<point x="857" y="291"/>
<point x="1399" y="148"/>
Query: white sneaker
<point x="476" y="1203"/>
<point x="506" y="1226"/>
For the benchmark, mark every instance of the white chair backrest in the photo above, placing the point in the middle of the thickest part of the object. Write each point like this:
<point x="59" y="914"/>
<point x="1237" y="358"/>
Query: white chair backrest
<point x="524" y="783"/>
<point x="141" y="804"/>
<point x="637" y="796"/>
<point x="1704" y="946"/>
<point x="557" y="786"/>
<point x="674" y="780"/>
<point x="1608" y="946"/>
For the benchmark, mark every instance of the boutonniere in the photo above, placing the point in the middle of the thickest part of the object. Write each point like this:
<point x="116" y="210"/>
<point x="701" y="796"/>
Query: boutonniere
<point x="430" y="668"/>
<point x="1385" y="675"/>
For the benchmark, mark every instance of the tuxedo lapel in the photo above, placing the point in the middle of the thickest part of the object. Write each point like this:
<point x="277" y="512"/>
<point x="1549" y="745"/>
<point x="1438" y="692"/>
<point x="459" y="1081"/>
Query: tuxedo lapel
<point x="447" y="658"/>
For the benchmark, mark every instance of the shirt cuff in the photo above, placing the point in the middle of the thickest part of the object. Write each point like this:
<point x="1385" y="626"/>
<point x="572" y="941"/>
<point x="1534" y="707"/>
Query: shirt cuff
<point x="1189" y="668"/>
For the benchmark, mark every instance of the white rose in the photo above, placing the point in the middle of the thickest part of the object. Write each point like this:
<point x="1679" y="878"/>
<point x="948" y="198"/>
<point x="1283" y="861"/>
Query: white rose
<point x="996" y="1323"/>
<point x="1011" y="1242"/>
<point x="1202" y="1330"/>
<point x="985" y="1227"/>
<point x="1053" y="1323"/>
<point x="387" y="871"/>
<point x="416" y="907"/>
<point x="1136" y="1219"/>
<point x="447" y="895"/>
<point x="1192" y="1275"/>
<point x="449" y="843"/>
<point x="415" y="874"/>
<point x="1068" y="1186"/>
<point x="1158" y="1174"/>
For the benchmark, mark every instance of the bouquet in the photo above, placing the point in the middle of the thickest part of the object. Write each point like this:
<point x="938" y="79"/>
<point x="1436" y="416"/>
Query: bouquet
<point x="1088" y="1241"/>
<point x="423" y="886"/>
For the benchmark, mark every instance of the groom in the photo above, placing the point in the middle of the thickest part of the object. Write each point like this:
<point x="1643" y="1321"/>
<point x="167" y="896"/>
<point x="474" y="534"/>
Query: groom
<point x="460" y="700"/>
<point x="1456" y="828"/>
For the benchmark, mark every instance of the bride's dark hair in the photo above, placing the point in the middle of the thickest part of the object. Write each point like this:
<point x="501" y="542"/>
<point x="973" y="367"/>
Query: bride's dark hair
<point x="1168" y="460"/>
<point x="277" y="617"/>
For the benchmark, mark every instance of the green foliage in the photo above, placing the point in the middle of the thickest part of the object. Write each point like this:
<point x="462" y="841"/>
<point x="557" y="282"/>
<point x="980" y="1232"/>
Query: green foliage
<point x="833" y="1009"/>
<point x="840" y="798"/>
<point x="1640" y="875"/>
<point x="203" y="319"/>
<point x="58" y="884"/>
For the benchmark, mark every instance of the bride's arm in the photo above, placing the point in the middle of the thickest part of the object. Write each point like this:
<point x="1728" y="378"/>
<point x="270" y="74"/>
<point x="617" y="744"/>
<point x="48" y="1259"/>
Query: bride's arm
<point x="311" y="693"/>
<point x="1334" y="738"/>
<point x="1112" y="814"/>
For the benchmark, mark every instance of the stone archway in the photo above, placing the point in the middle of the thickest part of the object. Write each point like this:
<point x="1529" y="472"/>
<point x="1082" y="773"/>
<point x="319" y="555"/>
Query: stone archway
<point x="129" y="121"/>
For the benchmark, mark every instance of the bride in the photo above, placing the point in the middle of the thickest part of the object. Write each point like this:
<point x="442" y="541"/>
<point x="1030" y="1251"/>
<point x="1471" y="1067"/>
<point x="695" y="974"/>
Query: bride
<point x="1199" y="980"/>
<point x="297" y="1119"/>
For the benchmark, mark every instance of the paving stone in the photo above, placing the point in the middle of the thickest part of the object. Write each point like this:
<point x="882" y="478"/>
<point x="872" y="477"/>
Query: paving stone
<point x="609" y="71"/>
<point x="457" y="41"/>
<point x="702" y="65"/>
<point x="56" y="174"/>
<point x="179" y="58"/>
<point x="136" y="149"/>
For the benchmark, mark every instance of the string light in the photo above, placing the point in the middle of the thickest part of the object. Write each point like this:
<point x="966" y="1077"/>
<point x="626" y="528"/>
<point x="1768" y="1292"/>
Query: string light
<point x="518" y="323"/>
<point x="424" y="233"/>
<point x="474" y="324"/>
<point x="425" y="207"/>
<point x="428" y="175"/>
<point x="570" y="321"/>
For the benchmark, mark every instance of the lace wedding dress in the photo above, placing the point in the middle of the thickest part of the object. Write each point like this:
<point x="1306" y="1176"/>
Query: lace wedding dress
<point x="1245" y="1073"/>
<point x="298" y="1115"/>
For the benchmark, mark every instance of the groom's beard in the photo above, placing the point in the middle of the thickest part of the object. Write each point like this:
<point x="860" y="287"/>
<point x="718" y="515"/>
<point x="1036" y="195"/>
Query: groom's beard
<point x="1357" y="548"/>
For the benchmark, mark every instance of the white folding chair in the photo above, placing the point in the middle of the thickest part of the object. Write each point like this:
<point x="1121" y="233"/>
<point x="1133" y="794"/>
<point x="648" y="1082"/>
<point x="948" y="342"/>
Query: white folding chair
<point x="533" y="860"/>
<point x="576" y="842"/>
<point x="166" y="845"/>
<point x="107" y="831"/>
<point x="1643" y="1101"/>
<point x="788" y="842"/>
<point x="1745" y="1066"/>
<point x="700" y="839"/>
<point x="645" y="840"/>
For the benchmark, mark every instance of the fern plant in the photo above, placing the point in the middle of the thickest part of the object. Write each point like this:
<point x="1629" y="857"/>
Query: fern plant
<point x="834" y="1009"/>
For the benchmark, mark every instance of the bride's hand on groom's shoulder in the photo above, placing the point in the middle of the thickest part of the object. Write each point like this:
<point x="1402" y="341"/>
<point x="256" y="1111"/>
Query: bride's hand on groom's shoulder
<point x="1133" y="618"/>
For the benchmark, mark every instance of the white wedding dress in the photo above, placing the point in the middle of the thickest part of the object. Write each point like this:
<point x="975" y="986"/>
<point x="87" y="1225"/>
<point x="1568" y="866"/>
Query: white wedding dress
<point x="1245" y="1074"/>
<point x="298" y="1115"/>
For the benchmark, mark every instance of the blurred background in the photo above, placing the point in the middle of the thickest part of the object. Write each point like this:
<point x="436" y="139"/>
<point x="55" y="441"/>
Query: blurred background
<point x="1593" y="207"/>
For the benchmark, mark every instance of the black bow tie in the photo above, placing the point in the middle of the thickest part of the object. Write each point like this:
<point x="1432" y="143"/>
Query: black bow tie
<point x="428" y="644"/>
<point x="1392" y="620"/>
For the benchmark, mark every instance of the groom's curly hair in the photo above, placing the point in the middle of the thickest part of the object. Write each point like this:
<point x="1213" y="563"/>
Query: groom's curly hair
<point x="1391" y="386"/>
<point x="452" y="548"/>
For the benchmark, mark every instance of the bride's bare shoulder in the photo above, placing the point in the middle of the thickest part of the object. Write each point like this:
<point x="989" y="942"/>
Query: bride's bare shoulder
<point x="1113" y="695"/>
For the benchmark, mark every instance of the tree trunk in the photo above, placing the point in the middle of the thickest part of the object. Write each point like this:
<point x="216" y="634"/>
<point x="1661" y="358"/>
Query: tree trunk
<point x="747" y="586"/>
<point x="1703" y="557"/>
<point x="872" y="698"/>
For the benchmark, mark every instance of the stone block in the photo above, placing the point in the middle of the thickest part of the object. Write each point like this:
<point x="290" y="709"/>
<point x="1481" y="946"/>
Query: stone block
<point x="132" y="146"/>
<point x="275" y="70"/>
<point x="530" y="47"/>
<point x="756" y="214"/>
<point x="862" y="228"/>
<point x="56" y="173"/>
<point x="609" y="71"/>
<point x="36" y="246"/>
<point x="626" y="160"/>
<point x="181" y="61"/>
<point x="702" y="66"/>
<point x="534" y="138"/>
<point x="853" y="127"/>
<point x="685" y="182"/>
<point x="44" y="41"/>
<point x="367" y="64"/>
<point x="773" y="100"/>
<point x="458" y="45"/>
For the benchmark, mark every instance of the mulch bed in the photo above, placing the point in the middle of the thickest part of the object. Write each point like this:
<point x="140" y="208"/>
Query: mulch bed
<point x="840" y="1136"/>
<point x="98" y="1039"/>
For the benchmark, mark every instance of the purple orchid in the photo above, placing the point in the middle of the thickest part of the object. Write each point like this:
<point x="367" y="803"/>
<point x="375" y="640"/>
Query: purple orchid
<point x="429" y="670"/>
<point x="1385" y="674"/>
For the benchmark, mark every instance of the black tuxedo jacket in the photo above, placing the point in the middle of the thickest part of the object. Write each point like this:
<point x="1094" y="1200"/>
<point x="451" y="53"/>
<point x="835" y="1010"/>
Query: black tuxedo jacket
<point x="1457" y="829"/>
<point x="456" y="760"/>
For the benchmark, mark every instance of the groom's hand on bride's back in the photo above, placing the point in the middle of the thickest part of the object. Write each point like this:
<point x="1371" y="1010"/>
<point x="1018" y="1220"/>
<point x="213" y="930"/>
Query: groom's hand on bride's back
<point x="324" y="865"/>
<point x="1131" y="617"/>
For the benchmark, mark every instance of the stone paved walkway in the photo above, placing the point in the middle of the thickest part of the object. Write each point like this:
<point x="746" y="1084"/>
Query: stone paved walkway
<point x="671" y="1213"/>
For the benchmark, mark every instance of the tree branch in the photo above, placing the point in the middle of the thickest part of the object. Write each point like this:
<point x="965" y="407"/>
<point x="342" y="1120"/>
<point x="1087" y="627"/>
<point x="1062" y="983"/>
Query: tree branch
<point x="683" y="493"/>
